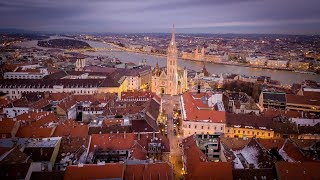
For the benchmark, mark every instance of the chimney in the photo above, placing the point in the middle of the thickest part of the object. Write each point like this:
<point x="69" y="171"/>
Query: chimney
<point x="138" y="135"/>
<point x="117" y="134"/>
<point x="124" y="134"/>
<point x="154" y="135"/>
<point x="202" y="135"/>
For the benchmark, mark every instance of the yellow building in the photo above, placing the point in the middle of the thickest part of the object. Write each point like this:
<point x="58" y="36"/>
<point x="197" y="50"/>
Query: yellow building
<point x="248" y="125"/>
<point x="242" y="132"/>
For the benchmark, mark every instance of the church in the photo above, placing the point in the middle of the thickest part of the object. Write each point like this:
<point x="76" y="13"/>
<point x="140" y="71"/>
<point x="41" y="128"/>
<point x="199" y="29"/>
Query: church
<point x="171" y="80"/>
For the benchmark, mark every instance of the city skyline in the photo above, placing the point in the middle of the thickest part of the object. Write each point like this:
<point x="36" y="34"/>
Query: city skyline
<point x="217" y="17"/>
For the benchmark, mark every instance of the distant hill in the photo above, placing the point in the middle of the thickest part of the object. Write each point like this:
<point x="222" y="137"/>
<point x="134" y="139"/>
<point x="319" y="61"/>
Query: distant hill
<point x="64" y="44"/>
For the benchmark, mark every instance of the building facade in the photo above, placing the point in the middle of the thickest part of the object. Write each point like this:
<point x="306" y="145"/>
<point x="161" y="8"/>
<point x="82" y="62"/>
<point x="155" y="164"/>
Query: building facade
<point x="199" y="56"/>
<point x="172" y="80"/>
<point x="202" y="113"/>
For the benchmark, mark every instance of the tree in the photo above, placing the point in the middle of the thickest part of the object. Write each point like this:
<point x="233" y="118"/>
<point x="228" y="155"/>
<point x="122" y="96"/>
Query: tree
<point x="256" y="90"/>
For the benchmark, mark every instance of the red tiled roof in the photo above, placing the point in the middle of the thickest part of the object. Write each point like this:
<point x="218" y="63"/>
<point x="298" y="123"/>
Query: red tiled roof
<point x="136" y="94"/>
<point x="141" y="126"/>
<point x="34" y="132"/>
<point x="22" y="102"/>
<point x="67" y="103"/>
<point x="147" y="138"/>
<point x="71" y="130"/>
<point x="94" y="171"/>
<point x="6" y="126"/>
<point x="138" y="152"/>
<point x="302" y="100"/>
<point x="293" y="151"/>
<point x="41" y="103"/>
<point x="193" y="113"/>
<point x="192" y="153"/>
<point x="31" y="116"/>
<point x="3" y="102"/>
<point x="304" y="170"/>
<point x="116" y="141"/>
<point x="312" y="94"/>
<point x="59" y="96"/>
<point x="305" y="143"/>
<point x="248" y="120"/>
<point x="112" y="122"/>
<point x="234" y="143"/>
<point x="45" y="120"/>
<point x="211" y="170"/>
<point x="159" y="171"/>
<point x="277" y="112"/>
<point x="74" y="145"/>
<point x="268" y="144"/>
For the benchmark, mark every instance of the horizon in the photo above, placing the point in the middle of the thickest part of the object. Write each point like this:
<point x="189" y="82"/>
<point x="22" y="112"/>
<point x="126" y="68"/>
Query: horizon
<point x="25" y="31"/>
<point x="292" y="17"/>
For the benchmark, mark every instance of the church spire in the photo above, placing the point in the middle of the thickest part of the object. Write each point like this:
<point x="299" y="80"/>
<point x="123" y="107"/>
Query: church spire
<point x="172" y="36"/>
<point x="173" y="40"/>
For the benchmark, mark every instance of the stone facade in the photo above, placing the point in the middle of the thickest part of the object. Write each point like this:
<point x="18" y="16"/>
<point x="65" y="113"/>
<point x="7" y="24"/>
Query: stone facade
<point x="172" y="79"/>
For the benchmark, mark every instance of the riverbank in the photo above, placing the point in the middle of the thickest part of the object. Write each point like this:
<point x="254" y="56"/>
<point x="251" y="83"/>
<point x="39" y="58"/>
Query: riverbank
<point x="211" y="62"/>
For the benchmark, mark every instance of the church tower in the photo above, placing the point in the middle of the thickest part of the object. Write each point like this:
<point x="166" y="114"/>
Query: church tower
<point x="172" y="69"/>
<point x="80" y="64"/>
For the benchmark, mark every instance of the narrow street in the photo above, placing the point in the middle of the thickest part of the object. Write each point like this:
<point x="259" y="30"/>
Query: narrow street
<point x="175" y="152"/>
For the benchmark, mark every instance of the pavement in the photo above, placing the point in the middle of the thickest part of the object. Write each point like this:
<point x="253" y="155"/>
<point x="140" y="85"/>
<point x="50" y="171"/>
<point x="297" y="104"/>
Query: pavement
<point x="175" y="151"/>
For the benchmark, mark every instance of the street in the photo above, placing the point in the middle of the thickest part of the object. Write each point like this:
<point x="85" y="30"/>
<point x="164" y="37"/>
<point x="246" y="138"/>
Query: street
<point x="175" y="152"/>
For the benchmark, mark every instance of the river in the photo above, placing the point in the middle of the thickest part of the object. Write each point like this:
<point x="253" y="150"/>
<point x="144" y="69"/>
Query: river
<point x="285" y="77"/>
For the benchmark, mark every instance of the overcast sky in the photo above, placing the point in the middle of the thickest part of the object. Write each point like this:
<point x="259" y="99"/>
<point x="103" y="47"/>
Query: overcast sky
<point x="190" y="16"/>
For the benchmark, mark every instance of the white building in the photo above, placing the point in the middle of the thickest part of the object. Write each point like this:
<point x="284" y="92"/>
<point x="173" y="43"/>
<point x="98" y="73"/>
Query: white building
<point x="277" y="63"/>
<point x="16" y="108"/>
<point x="27" y="72"/>
<point x="257" y="60"/>
<point x="202" y="113"/>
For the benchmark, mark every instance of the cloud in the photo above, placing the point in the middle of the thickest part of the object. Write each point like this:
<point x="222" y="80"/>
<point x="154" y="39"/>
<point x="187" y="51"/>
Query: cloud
<point x="158" y="16"/>
<point x="252" y="23"/>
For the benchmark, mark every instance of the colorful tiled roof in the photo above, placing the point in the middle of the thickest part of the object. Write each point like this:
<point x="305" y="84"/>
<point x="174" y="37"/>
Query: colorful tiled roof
<point x="193" y="113"/>
<point x="94" y="171"/>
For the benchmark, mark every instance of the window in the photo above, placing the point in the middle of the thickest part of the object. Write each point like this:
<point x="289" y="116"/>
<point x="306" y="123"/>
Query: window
<point x="189" y="126"/>
<point x="208" y="127"/>
<point x="215" y="127"/>
<point x="221" y="128"/>
<point x="195" y="126"/>
<point x="268" y="134"/>
<point x="239" y="131"/>
<point x="201" y="127"/>
<point x="258" y="133"/>
<point x="234" y="131"/>
<point x="252" y="132"/>
<point x="228" y="130"/>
